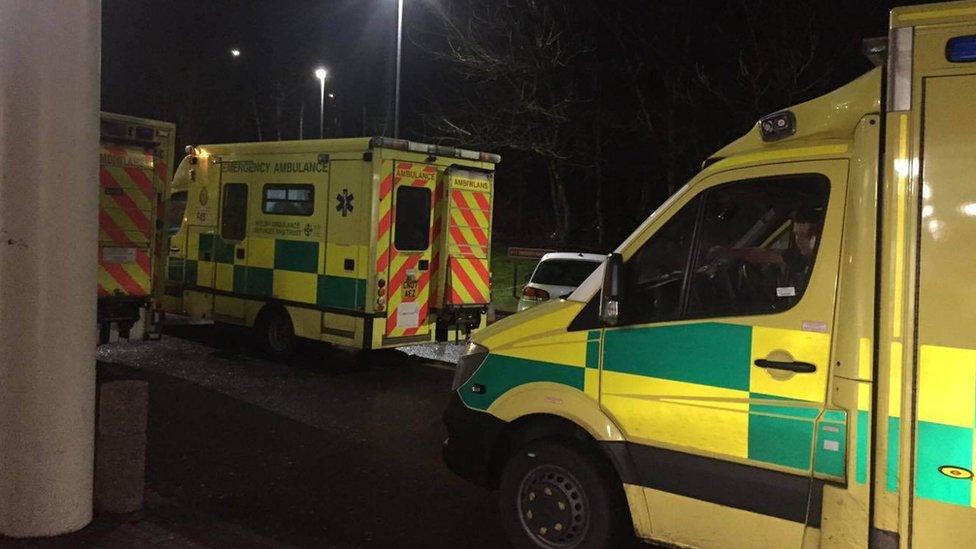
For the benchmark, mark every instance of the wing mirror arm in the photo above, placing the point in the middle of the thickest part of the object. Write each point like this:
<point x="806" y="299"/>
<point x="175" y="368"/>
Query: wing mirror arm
<point x="610" y="293"/>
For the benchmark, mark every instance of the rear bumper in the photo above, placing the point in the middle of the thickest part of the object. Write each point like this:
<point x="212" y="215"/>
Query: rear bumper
<point x="121" y="308"/>
<point x="471" y="439"/>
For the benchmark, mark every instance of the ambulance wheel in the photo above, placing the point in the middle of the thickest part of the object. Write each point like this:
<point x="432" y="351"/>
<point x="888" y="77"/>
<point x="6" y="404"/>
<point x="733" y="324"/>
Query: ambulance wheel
<point x="559" y="493"/>
<point x="275" y="332"/>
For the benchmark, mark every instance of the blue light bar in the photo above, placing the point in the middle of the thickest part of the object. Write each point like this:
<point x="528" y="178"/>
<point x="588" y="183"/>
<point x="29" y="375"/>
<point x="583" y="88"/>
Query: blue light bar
<point x="961" y="49"/>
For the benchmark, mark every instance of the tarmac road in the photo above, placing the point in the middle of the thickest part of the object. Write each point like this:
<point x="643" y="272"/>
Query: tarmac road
<point x="320" y="452"/>
<point x="327" y="450"/>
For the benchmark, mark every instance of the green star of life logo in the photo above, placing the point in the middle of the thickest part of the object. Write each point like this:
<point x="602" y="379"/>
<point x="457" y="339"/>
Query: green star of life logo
<point x="344" y="202"/>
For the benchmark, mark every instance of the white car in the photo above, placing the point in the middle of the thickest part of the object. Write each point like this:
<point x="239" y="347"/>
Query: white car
<point x="557" y="275"/>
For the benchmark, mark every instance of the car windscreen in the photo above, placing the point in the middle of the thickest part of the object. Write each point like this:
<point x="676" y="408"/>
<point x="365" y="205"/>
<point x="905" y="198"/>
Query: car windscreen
<point x="563" y="272"/>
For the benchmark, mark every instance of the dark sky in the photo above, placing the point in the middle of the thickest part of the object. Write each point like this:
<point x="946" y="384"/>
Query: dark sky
<point x="170" y="59"/>
<point x="162" y="57"/>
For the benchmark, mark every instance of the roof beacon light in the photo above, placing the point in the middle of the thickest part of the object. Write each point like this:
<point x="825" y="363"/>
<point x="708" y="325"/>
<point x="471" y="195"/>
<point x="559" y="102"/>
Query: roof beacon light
<point x="961" y="49"/>
<point x="778" y="125"/>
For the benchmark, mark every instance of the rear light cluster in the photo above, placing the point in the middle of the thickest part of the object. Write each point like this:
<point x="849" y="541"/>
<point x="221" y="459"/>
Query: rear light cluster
<point x="535" y="294"/>
<point x="380" y="294"/>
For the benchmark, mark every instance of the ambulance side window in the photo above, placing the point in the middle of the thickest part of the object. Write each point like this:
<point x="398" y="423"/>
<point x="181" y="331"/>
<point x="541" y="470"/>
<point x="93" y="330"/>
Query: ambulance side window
<point x="412" y="230"/>
<point x="758" y="243"/>
<point x="654" y="277"/>
<point x="233" y="222"/>
<point x="288" y="199"/>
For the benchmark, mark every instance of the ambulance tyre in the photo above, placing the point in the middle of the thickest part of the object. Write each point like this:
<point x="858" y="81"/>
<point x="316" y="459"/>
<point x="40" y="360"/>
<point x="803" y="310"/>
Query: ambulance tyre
<point x="560" y="493"/>
<point x="275" y="332"/>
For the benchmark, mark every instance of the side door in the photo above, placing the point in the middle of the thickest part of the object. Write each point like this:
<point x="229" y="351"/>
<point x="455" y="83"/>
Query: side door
<point x="229" y="248"/>
<point x="718" y="368"/>
<point x="410" y="254"/>
<point x="174" y="250"/>
<point x="940" y="449"/>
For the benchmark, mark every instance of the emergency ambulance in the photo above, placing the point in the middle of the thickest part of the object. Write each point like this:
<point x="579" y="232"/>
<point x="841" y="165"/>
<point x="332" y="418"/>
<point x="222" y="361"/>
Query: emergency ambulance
<point x="782" y="355"/>
<point x="135" y="165"/>
<point x="361" y="242"/>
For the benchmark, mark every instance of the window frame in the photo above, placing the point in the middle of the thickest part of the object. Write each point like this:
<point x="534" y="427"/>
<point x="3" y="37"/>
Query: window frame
<point x="223" y="211"/>
<point x="694" y="252"/>
<point x="396" y="206"/>
<point x="184" y="199"/>
<point x="286" y="187"/>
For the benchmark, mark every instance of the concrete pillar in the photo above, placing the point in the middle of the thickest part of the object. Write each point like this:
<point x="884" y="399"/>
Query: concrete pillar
<point x="49" y="98"/>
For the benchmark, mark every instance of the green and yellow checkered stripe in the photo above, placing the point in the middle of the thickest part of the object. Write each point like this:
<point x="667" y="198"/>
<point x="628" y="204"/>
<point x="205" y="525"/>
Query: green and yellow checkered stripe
<point x="946" y="421"/>
<point x="273" y="268"/>
<point x="699" y="385"/>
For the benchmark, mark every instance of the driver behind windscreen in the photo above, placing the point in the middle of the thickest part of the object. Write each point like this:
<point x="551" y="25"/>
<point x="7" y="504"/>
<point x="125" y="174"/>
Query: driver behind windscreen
<point x="786" y="271"/>
<point x="797" y="259"/>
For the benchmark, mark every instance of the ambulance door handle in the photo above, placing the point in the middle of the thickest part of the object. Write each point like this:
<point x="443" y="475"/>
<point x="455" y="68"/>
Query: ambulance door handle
<point x="794" y="366"/>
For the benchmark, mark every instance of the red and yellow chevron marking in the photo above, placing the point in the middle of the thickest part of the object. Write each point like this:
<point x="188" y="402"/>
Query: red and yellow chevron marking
<point x="468" y="232"/>
<point x="468" y="283"/>
<point x="437" y="241"/>
<point x="129" y="279"/>
<point x="402" y="262"/>
<point x="126" y="216"/>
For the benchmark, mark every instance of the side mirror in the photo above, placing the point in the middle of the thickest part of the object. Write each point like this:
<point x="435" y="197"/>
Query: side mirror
<point x="610" y="294"/>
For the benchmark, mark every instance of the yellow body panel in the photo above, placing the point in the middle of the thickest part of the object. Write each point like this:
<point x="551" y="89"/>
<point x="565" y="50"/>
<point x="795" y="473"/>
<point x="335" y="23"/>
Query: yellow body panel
<point x="557" y="400"/>
<point x="688" y="415"/>
<point x="688" y="522"/>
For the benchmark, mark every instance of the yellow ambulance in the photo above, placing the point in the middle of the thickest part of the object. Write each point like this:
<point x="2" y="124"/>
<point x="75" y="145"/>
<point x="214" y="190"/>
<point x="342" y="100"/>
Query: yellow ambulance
<point x="361" y="242"/>
<point x="782" y="355"/>
<point x="135" y="164"/>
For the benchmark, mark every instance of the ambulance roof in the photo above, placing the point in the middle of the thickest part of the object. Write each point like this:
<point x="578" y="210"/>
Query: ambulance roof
<point x="830" y="118"/>
<point x="348" y="144"/>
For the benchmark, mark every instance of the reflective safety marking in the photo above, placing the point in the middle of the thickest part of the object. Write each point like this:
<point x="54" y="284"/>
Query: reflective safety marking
<point x="902" y="168"/>
<point x="894" y="416"/>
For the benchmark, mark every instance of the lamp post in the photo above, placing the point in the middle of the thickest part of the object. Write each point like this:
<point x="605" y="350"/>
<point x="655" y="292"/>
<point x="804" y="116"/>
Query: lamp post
<point x="321" y="73"/>
<point x="396" y="93"/>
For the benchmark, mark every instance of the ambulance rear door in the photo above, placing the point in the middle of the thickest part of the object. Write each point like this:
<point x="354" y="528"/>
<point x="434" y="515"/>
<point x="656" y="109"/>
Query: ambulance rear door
<point x="468" y="237"/>
<point x="126" y="215"/>
<point x="408" y="259"/>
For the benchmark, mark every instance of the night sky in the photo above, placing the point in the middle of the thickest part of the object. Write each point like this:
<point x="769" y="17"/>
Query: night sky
<point x="171" y="60"/>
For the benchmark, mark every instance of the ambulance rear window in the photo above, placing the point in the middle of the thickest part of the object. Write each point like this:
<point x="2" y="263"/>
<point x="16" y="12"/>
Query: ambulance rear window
<point x="412" y="230"/>
<point x="282" y="199"/>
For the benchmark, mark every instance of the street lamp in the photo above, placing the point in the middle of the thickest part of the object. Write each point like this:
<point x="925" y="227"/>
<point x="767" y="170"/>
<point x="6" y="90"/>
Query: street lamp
<point x="396" y="95"/>
<point x="321" y="73"/>
<point x="235" y="52"/>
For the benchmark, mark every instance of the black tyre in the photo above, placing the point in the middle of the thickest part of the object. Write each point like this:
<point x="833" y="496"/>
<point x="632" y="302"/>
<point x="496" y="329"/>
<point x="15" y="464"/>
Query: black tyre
<point x="557" y="493"/>
<point x="276" y="333"/>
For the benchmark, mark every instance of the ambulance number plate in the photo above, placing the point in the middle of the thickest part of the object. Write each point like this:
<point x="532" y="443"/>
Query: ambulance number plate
<point x="118" y="255"/>
<point x="410" y="289"/>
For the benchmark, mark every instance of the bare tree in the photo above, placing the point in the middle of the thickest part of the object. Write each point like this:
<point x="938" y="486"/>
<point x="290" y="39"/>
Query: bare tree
<point x="516" y="61"/>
